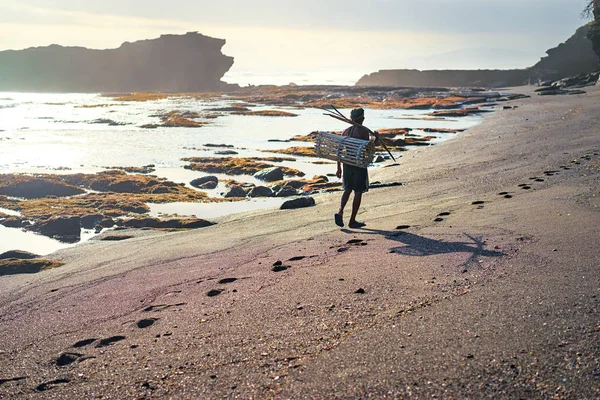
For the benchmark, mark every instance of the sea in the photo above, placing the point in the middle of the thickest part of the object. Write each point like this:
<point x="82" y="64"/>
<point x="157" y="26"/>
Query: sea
<point x="63" y="134"/>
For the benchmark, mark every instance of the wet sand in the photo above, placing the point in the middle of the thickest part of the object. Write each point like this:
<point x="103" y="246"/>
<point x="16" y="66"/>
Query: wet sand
<point x="479" y="277"/>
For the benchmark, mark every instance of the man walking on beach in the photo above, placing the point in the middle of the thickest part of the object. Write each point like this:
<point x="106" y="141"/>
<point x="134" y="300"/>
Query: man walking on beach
<point x="354" y="178"/>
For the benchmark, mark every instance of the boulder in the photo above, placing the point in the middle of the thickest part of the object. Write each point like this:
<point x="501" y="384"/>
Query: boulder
<point x="286" y="192"/>
<point x="209" y="185"/>
<point x="235" y="191"/>
<point x="18" y="254"/>
<point x="65" y="229"/>
<point x="261" y="191"/>
<point x="270" y="174"/>
<point x="198" y="182"/>
<point x="300" y="202"/>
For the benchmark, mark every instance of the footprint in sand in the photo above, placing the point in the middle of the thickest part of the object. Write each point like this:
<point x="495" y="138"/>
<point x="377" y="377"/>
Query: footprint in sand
<point x="342" y="249"/>
<point x="403" y="227"/>
<point x="83" y="343"/>
<point x="19" y="378"/>
<point x="145" y="323"/>
<point x="108" y="341"/>
<point x="214" y="292"/>
<point x="550" y="173"/>
<point x="356" y="242"/>
<point x="67" y="358"/>
<point x="505" y="194"/>
<point x="526" y="187"/>
<point x="444" y="214"/>
<point x="478" y="202"/>
<point x="297" y="258"/>
<point x="225" y="281"/>
<point x="50" y="384"/>
<point x="438" y="219"/>
<point x="162" y="307"/>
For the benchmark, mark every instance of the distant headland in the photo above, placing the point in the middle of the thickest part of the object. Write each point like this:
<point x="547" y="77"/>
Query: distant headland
<point x="575" y="56"/>
<point x="172" y="63"/>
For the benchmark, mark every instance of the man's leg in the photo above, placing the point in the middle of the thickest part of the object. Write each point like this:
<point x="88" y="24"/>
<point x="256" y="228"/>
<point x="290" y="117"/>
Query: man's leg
<point x="345" y="198"/>
<point x="355" y="206"/>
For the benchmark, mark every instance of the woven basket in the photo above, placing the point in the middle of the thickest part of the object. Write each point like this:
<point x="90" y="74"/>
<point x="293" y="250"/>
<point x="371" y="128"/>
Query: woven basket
<point x="345" y="149"/>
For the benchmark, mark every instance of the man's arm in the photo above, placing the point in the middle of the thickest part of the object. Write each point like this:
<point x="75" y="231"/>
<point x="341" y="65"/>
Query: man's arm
<point x="339" y="170"/>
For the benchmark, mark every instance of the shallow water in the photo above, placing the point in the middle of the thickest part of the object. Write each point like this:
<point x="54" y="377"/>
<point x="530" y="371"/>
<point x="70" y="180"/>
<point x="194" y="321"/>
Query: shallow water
<point x="53" y="133"/>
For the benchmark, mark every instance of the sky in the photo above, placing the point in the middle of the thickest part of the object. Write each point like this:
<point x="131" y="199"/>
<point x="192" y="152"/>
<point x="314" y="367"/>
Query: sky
<point x="310" y="41"/>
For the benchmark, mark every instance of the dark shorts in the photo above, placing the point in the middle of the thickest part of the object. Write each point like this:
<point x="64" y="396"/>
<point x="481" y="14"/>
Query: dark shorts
<point x="355" y="178"/>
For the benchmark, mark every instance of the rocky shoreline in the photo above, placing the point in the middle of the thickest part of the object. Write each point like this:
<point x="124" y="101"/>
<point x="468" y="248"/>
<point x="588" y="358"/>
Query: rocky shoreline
<point x="60" y="206"/>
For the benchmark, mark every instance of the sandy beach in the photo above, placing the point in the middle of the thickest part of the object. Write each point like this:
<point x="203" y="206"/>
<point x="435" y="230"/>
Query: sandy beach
<point x="479" y="277"/>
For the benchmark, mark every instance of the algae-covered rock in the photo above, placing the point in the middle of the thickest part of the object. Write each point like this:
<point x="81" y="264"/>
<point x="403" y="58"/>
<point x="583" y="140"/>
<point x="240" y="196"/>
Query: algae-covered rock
<point x="14" y="266"/>
<point x="33" y="187"/>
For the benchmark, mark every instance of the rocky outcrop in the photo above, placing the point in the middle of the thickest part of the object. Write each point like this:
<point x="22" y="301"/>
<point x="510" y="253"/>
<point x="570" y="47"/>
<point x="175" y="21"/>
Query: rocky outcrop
<point x="573" y="57"/>
<point x="31" y="187"/>
<point x="445" y="78"/>
<point x="171" y="63"/>
<point x="594" y="31"/>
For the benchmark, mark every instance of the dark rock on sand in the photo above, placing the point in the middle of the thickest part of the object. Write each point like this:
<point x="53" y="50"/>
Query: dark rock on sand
<point x="300" y="202"/>
<point x="166" y="224"/>
<point x="199" y="182"/>
<point x="270" y="174"/>
<point x="261" y="191"/>
<point x="235" y="191"/>
<point x="18" y="254"/>
<point x="15" y="266"/>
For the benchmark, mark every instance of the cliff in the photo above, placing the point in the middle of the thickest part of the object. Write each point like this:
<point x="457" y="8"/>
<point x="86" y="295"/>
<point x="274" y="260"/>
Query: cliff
<point x="594" y="32"/>
<point x="171" y="63"/>
<point x="573" y="57"/>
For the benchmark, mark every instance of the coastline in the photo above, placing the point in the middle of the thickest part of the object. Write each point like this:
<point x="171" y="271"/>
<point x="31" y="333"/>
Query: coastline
<point x="492" y="301"/>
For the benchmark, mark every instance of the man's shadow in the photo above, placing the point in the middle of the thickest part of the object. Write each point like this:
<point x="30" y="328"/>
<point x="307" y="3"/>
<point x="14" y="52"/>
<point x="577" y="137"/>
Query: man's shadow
<point x="420" y="246"/>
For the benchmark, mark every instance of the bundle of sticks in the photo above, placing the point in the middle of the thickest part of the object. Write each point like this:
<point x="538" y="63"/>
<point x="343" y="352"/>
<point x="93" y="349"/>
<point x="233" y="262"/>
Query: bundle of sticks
<point x="335" y="113"/>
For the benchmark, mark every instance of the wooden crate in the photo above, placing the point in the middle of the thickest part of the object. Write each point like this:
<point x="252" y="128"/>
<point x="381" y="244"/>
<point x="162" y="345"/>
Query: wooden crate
<point x="345" y="149"/>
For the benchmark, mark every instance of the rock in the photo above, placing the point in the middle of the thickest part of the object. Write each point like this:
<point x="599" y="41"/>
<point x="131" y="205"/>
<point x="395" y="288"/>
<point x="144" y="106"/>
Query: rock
<point x="209" y="185"/>
<point x="261" y="191"/>
<point x="30" y="187"/>
<point x="379" y="159"/>
<point x="12" y="222"/>
<point x="107" y="223"/>
<point x="270" y="174"/>
<point x="300" y="202"/>
<point x="18" y="254"/>
<point x="90" y="221"/>
<point x="198" y="182"/>
<point x="14" y="266"/>
<point x="65" y="229"/>
<point x="235" y="191"/>
<point x="140" y="223"/>
<point x="286" y="192"/>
